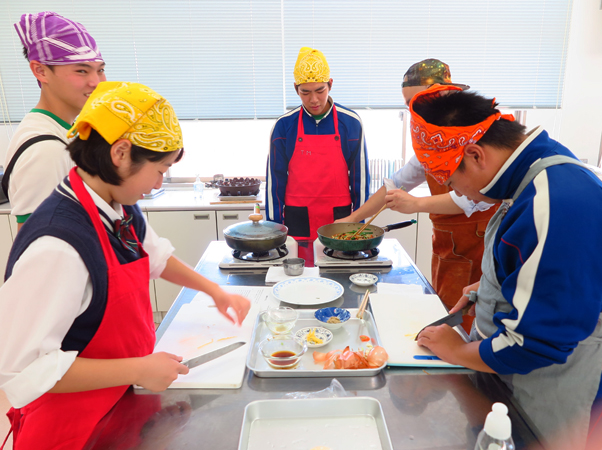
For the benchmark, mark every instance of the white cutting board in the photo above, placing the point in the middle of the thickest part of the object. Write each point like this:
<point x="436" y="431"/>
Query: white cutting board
<point x="399" y="317"/>
<point x="197" y="329"/>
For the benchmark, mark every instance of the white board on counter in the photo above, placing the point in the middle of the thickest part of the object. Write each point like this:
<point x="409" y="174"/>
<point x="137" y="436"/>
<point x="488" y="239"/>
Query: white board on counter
<point x="199" y="328"/>
<point x="399" y="318"/>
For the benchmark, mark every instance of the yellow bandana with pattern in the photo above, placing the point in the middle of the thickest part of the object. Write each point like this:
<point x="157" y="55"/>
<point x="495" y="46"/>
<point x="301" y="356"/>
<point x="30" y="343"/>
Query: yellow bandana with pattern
<point x="132" y="111"/>
<point x="311" y="67"/>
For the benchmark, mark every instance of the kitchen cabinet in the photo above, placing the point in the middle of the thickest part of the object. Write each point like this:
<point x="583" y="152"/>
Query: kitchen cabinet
<point x="190" y="232"/>
<point x="227" y="218"/>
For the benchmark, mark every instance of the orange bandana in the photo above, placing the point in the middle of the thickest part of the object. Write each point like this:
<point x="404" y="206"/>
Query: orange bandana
<point x="441" y="149"/>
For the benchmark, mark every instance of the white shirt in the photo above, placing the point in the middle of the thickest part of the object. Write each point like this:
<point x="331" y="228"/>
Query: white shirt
<point x="412" y="175"/>
<point x="41" y="167"/>
<point x="49" y="287"/>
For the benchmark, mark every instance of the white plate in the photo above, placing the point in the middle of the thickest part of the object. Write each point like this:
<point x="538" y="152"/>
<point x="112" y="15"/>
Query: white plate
<point x="307" y="291"/>
<point x="363" y="279"/>
<point x="321" y="333"/>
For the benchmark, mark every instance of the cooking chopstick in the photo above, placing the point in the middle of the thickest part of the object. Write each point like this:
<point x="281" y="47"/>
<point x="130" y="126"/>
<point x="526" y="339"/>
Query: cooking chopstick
<point x="362" y="308"/>
<point x="369" y="222"/>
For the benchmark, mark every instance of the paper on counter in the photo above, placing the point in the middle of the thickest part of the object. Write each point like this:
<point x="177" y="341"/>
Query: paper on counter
<point x="399" y="289"/>
<point x="276" y="274"/>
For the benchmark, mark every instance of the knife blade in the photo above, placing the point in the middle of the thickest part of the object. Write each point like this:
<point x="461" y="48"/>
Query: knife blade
<point x="452" y="320"/>
<point x="210" y="356"/>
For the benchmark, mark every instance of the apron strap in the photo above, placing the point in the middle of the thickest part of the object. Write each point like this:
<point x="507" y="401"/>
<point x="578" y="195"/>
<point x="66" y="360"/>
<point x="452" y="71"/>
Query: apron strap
<point x="543" y="164"/>
<point x="86" y="200"/>
<point x="335" y="117"/>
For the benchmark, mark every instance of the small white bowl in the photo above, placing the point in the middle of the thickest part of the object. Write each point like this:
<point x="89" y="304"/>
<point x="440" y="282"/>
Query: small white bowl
<point x="321" y="333"/>
<point x="363" y="279"/>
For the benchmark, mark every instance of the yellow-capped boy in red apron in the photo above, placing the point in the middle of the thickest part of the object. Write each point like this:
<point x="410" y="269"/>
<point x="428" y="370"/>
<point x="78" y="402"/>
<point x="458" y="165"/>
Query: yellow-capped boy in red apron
<point x="318" y="165"/>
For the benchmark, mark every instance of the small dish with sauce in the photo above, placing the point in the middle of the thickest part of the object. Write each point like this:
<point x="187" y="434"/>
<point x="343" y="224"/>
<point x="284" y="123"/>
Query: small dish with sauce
<point x="332" y="318"/>
<point x="283" y="351"/>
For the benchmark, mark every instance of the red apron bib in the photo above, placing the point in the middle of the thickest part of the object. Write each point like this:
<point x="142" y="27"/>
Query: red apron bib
<point x="317" y="190"/>
<point x="66" y="421"/>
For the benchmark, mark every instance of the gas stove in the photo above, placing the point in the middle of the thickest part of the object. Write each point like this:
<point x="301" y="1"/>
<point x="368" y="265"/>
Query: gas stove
<point x="242" y="260"/>
<point x="376" y="257"/>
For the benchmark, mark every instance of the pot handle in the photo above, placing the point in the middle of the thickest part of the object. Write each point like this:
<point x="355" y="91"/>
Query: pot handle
<point x="397" y="226"/>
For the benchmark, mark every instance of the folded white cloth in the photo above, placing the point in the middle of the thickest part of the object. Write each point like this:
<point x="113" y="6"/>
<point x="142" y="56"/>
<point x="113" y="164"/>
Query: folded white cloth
<point x="276" y="274"/>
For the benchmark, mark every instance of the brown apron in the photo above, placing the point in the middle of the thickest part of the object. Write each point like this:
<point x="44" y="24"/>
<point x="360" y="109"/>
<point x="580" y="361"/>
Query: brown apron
<point x="458" y="244"/>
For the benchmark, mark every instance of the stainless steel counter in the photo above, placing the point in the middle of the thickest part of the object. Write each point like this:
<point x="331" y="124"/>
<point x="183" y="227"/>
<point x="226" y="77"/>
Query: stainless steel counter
<point x="424" y="409"/>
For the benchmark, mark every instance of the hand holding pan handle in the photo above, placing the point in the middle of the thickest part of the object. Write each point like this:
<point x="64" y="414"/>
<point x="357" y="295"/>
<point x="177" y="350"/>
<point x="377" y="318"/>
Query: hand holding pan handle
<point x="397" y="226"/>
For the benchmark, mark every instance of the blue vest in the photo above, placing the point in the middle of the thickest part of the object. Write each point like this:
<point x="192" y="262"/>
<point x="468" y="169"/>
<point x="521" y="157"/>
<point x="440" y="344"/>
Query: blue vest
<point x="66" y="219"/>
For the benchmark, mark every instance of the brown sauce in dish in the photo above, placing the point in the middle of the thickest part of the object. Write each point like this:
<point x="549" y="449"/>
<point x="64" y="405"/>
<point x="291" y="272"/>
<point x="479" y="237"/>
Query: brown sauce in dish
<point x="282" y="354"/>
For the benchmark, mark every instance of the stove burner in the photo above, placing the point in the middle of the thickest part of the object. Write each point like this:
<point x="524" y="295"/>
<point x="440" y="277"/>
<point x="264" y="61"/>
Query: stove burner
<point x="275" y="253"/>
<point x="352" y="256"/>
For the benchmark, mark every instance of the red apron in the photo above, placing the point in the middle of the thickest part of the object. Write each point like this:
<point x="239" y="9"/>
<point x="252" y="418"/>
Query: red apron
<point x="66" y="421"/>
<point x="458" y="244"/>
<point x="317" y="190"/>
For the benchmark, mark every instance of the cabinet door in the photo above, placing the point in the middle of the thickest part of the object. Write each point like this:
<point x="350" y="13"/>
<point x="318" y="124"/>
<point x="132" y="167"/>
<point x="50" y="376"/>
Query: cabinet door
<point x="6" y="242"/>
<point x="405" y="236"/>
<point x="227" y="218"/>
<point x="424" y="245"/>
<point x="190" y="232"/>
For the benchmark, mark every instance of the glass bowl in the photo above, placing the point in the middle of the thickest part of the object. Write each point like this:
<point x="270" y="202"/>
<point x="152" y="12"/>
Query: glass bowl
<point x="282" y="351"/>
<point x="324" y="314"/>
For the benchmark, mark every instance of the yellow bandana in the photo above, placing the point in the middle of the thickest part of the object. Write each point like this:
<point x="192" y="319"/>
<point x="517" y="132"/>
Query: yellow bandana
<point x="311" y="67"/>
<point x="121" y="110"/>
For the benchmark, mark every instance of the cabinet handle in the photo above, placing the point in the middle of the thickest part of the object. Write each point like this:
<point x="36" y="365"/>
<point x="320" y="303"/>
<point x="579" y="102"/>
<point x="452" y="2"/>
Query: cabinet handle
<point x="230" y="216"/>
<point x="201" y="217"/>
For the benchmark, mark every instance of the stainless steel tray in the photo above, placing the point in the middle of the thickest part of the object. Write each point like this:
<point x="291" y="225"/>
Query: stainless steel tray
<point x="347" y="335"/>
<point x="301" y="424"/>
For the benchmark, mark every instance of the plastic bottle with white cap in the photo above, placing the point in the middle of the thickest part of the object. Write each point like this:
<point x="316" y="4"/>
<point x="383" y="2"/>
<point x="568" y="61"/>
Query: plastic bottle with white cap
<point x="497" y="433"/>
<point x="198" y="187"/>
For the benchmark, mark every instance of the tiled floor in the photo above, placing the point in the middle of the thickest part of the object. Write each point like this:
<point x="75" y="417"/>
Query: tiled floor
<point x="4" y="424"/>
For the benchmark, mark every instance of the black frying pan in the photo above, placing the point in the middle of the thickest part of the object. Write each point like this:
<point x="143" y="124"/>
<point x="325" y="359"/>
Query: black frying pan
<point x="326" y="232"/>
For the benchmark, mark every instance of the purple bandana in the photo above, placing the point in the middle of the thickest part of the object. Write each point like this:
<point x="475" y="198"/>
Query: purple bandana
<point x="54" y="40"/>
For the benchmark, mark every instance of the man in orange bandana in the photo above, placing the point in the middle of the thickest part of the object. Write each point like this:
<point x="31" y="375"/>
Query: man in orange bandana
<point x="458" y="224"/>
<point x="538" y="304"/>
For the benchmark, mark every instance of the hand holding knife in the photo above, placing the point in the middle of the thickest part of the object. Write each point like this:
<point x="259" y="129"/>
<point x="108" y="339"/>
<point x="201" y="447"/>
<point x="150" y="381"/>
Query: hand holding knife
<point x="452" y="320"/>
<point x="210" y="356"/>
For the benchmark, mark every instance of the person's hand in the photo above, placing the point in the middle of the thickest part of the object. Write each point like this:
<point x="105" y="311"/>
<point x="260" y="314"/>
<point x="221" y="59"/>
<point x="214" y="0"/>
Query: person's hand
<point x="463" y="302"/>
<point x="442" y="340"/>
<point x="238" y="303"/>
<point x="159" y="370"/>
<point x="400" y="201"/>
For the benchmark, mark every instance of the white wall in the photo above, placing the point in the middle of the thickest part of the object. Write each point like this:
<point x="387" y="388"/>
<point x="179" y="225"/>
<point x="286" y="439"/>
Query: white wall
<point x="581" y="126"/>
<point x="240" y="147"/>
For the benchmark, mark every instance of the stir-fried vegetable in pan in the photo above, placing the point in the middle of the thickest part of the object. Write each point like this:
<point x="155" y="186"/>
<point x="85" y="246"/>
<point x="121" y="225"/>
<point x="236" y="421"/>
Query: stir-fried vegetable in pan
<point x="348" y="235"/>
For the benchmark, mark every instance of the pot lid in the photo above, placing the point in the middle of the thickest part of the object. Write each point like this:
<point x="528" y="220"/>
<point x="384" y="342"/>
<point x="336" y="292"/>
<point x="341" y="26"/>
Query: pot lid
<point x="256" y="229"/>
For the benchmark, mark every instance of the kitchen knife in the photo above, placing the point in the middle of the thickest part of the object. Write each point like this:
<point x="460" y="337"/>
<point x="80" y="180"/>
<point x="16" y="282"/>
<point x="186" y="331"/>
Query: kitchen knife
<point x="193" y="362"/>
<point x="452" y="320"/>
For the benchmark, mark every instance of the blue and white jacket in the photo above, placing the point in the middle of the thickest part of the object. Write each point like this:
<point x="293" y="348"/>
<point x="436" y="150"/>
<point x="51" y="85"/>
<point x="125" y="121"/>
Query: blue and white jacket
<point x="547" y="255"/>
<point x="282" y="147"/>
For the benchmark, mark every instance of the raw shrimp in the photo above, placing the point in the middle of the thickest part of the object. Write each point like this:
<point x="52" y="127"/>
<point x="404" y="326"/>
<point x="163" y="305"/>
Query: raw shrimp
<point x="348" y="359"/>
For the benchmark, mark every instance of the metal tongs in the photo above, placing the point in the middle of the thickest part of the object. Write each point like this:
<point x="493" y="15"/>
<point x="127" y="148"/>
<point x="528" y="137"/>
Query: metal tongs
<point x="360" y="311"/>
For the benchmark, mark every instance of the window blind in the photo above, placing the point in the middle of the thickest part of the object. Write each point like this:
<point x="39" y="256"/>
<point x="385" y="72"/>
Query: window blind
<point x="234" y="59"/>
